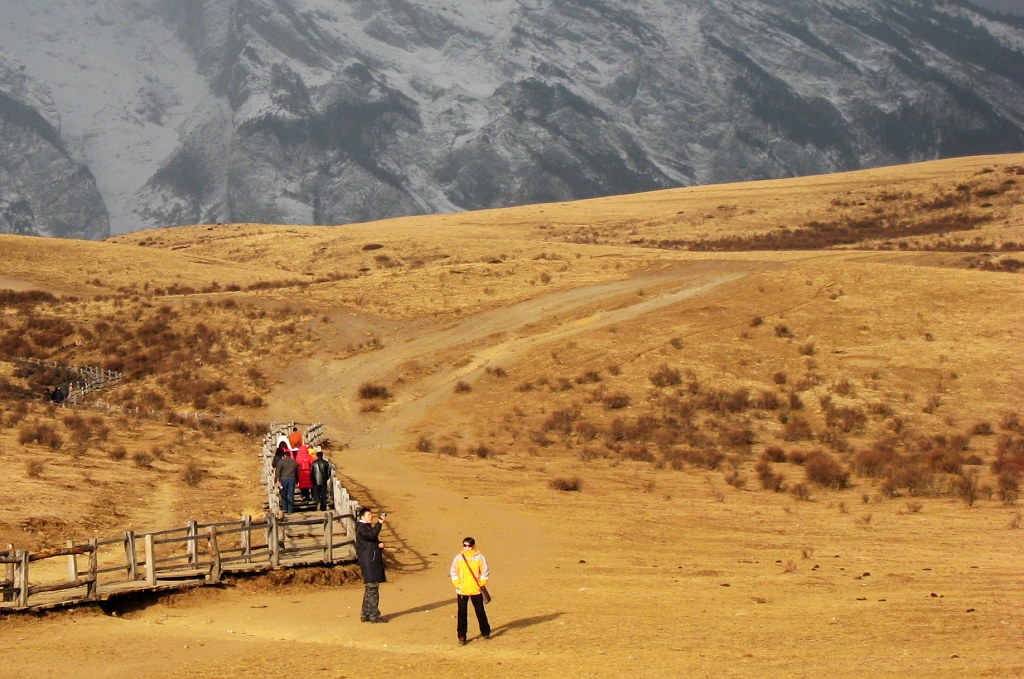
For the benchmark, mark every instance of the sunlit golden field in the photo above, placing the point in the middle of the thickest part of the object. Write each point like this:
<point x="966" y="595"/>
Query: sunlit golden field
<point x="771" y="428"/>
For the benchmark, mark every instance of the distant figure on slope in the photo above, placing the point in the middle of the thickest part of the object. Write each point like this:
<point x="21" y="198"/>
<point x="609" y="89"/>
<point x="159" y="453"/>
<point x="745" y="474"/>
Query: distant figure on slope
<point x="370" y="552"/>
<point x="321" y="475"/>
<point x="305" y="462"/>
<point x="470" y="574"/>
<point x="287" y="470"/>
<point x="295" y="438"/>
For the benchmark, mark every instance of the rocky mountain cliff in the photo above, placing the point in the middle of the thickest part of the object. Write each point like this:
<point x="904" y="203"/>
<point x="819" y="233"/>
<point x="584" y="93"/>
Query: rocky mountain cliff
<point x="334" y="111"/>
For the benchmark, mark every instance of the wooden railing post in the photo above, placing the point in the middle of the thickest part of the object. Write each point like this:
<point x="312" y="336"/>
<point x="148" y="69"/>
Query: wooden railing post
<point x="272" y="541"/>
<point x="193" y="544"/>
<point x="72" y="562"/>
<point x="150" y="560"/>
<point x="247" y="538"/>
<point x="328" y="537"/>
<point x="214" y="549"/>
<point x="21" y="578"/>
<point x="92" y="589"/>
<point x="130" y="557"/>
<point x="9" y="572"/>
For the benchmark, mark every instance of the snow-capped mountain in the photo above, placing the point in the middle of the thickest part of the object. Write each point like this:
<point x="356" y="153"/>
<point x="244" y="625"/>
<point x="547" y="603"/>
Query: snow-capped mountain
<point x="334" y="111"/>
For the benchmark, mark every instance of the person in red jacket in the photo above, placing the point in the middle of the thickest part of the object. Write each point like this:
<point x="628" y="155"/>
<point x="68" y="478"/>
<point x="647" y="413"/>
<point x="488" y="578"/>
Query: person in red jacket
<point x="305" y="462"/>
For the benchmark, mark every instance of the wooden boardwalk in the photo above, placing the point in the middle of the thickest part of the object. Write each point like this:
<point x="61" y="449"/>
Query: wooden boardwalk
<point x="191" y="556"/>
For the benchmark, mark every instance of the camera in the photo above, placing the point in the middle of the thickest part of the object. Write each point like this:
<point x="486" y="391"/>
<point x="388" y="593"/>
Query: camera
<point x="383" y="515"/>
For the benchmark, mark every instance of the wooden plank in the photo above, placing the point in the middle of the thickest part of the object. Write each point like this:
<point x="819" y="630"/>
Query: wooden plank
<point x="272" y="541"/>
<point x="93" y="565"/>
<point x="247" y="538"/>
<point x="10" y="567"/>
<point x="328" y="536"/>
<point x="130" y="556"/>
<point x="58" y="586"/>
<point x="72" y="562"/>
<point x="21" y="579"/>
<point x="193" y="545"/>
<point x="150" y="559"/>
<point x="215" y="568"/>
<point x="61" y="551"/>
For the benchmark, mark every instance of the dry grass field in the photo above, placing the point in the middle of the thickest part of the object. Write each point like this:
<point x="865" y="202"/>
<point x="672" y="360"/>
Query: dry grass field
<point x="762" y="429"/>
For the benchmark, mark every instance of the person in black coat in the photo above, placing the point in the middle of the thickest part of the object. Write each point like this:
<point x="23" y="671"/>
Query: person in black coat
<point x="370" y="552"/>
<point x="320" y="474"/>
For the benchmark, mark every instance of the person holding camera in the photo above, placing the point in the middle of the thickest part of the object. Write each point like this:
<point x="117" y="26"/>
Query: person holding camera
<point x="370" y="552"/>
<point x="469" y="574"/>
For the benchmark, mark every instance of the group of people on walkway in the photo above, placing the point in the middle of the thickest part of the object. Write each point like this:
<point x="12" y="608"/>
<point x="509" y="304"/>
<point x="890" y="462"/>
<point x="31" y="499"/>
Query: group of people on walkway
<point x="469" y="575"/>
<point x="295" y="468"/>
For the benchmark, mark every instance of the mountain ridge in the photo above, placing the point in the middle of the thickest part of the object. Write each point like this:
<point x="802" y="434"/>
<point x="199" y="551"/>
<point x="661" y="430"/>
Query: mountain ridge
<point x="307" y="111"/>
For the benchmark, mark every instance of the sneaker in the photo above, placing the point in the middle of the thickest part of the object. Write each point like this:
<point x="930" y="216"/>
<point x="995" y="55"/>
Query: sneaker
<point x="487" y="636"/>
<point x="378" y="619"/>
<point x="462" y="641"/>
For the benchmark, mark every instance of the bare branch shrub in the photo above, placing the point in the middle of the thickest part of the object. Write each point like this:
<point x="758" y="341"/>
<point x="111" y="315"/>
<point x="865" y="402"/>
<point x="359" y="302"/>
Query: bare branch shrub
<point x="566" y="483"/>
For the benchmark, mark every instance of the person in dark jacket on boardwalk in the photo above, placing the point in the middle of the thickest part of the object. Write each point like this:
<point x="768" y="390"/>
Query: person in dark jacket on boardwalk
<point x="287" y="471"/>
<point x="370" y="552"/>
<point x="321" y="475"/>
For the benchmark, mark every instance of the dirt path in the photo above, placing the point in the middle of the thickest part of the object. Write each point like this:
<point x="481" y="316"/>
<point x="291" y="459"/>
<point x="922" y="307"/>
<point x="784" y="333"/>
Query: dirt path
<point x="209" y="632"/>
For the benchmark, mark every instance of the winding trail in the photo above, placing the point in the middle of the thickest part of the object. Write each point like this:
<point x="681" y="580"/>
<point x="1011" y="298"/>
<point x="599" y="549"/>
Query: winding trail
<point x="428" y="520"/>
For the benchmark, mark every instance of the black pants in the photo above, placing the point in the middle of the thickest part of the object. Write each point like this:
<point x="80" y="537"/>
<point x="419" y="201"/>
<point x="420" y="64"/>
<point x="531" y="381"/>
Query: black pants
<point x="481" y="614"/>
<point x="320" y="497"/>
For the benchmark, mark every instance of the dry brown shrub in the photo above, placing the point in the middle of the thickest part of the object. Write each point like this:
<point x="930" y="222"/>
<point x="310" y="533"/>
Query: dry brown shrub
<point x="373" y="391"/>
<point x="569" y="484"/>
<point x="797" y="429"/>
<point x="142" y="459"/>
<point x="698" y="457"/>
<point x="767" y="400"/>
<point x="193" y="474"/>
<point x="801" y="491"/>
<point x="873" y="461"/>
<point x="822" y="470"/>
<point x="425" y="445"/>
<point x="616" y="400"/>
<point x="666" y="376"/>
<point x="34" y="469"/>
<point x="797" y="457"/>
<point x="43" y="433"/>
<point x="463" y="387"/>
<point x="484" y="452"/>
<point x="770" y="480"/>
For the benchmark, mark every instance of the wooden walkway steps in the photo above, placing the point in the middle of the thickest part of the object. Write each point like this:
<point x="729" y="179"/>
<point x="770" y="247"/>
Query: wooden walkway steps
<point x="191" y="556"/>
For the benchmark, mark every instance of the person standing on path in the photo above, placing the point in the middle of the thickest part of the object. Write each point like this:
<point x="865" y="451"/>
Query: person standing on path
<point x="370" y="552"/>
<point x="305" y="462"/>
<point x="321" y="475"/>
<point x="469" y="573"/>
<point x="287" y="470"/>
<point x="295" y="438"/>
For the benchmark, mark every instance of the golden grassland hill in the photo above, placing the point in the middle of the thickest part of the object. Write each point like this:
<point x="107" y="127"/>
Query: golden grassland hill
<point x="811" y="459"/>
<point x="78" y="473"/>
<point x="808" y="350"/>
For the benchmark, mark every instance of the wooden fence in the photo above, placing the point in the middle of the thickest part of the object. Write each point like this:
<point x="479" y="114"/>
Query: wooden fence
<point x="193" y="555"/>
<point x="90" y="378"/>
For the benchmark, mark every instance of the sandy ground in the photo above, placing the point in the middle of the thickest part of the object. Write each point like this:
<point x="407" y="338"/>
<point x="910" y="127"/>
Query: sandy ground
<point x="645" y="572"/>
